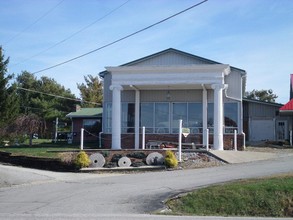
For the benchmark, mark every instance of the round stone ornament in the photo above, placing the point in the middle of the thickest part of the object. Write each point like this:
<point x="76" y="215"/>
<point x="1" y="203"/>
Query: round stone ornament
<point x="97" y="160"/>
<point x="124" y="162"/>
<point x="155" y="158"/>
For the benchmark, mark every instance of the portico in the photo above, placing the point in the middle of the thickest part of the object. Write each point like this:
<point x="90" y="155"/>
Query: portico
<point x="157" y="91"/>
<point x="194" y="77"/>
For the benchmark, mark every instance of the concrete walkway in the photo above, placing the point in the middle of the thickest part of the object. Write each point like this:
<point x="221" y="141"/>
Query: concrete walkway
<point x="234" y="157"/>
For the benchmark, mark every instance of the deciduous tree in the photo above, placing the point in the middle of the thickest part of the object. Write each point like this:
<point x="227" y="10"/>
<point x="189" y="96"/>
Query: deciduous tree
<point x="262" y="95"/>
<point x="45" y="98"/>
<point x="26" y="124"/>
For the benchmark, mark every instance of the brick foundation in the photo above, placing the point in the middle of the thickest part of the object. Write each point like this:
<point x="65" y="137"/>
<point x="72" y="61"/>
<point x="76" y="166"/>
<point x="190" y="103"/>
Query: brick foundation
<point x="127" y="140"/>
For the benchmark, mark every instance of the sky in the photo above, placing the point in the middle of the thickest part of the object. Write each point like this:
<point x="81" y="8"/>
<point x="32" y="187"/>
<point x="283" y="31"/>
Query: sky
<point x="254" y="35"/>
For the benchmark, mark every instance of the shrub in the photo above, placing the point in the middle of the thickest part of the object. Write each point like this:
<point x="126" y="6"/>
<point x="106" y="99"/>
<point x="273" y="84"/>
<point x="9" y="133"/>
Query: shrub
<point x="82" y="160"/>
<point x="170" y="159"/>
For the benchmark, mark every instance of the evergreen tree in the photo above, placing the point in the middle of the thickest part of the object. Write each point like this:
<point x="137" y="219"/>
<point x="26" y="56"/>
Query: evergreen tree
<point x="91" y="91"/>
<point x="8" y="99"/>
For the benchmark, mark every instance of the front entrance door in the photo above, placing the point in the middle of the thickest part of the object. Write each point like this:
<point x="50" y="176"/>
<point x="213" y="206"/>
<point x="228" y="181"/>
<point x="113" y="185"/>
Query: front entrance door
<point x="281" y="130"/>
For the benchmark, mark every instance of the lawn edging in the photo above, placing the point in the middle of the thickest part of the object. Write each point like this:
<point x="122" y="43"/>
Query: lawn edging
<point x="52" y="164"/>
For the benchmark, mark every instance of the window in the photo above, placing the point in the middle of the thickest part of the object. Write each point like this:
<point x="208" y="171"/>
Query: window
<point x="231" y="117"/>
<point x="147" y="117"/>
<point x="179" y="112"/>
<point x="162" y="122"/>
<point x="195" y="117"/>
<point x="108" y="118"/>
<point x="210" y="114"/>
<point x="92" y="125"/>
<point x="127" y="117"/>
<point x="163" y="117"/>
<point x="155" y="117"/>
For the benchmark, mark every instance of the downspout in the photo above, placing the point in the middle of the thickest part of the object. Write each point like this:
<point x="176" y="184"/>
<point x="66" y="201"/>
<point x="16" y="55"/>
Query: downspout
<point x="241" y="108"/>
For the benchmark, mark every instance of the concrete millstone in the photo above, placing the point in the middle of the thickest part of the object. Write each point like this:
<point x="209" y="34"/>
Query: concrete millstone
<point x="124" y="162"/>
<point x="155" y="158"/>
<point x="97" y="160"/>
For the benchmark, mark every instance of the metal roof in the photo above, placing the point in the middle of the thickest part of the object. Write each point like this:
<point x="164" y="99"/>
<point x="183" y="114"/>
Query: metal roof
<point x="86" y="113"/>
<point x="288" y="107"/>
<point x="262" y="102"/>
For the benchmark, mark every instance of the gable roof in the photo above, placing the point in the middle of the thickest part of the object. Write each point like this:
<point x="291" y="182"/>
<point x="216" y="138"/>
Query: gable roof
<point x="86" y="113"/>
<point x="179" y="52"/>
<point x="172" y="50"/>
<point x="288" y="107"/>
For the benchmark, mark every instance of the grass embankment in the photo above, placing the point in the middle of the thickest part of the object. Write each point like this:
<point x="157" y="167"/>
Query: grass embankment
<point x="269" y="197"/>
<point x="42" y="148"/>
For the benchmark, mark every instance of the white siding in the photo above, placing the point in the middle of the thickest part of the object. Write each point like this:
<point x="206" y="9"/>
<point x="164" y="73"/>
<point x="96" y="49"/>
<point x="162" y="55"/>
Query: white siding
<point x="262" y="130"/>
<point x="107" y="92"/>
<point x="175" y="96"/>
<point x="257" y="110"/>
<point x="234" y="84"/>
<point x="170" y="58"/>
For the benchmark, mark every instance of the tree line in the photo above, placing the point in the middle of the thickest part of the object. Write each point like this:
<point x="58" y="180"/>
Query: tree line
<point x="31" y="105"/>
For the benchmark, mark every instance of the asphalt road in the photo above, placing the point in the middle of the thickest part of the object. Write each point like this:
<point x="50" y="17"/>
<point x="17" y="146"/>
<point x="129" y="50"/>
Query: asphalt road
<point x="35" y="194"/>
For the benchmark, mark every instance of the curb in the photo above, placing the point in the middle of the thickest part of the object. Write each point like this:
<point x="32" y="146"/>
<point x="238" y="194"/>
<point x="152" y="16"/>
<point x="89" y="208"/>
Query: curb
<point x="142" y="168"/>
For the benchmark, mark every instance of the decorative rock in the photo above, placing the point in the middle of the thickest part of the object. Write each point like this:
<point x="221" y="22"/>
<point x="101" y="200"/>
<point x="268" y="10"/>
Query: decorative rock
<point x="116" y="158"/>
<point x="155" y="158"/>
<point x="138" y="164"/>
<point x="97" y="160"/>
<point x="137" y="155"/>
<point x="110" y="165"/>
<point x="124" y="162"/>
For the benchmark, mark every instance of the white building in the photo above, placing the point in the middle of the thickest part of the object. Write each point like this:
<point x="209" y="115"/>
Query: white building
<point x="158" y="90"/>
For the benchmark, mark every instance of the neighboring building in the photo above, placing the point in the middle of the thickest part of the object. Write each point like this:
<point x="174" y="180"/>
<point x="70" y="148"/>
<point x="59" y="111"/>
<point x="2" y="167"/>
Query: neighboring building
<point x="287" y="111"/>
<point x="158" y="90"/>
<point x="262" y="121"/>
<point x="88" y="118"/>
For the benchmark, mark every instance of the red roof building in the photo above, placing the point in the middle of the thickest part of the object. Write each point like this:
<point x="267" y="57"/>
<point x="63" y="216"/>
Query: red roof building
<point x="287" y="108"/>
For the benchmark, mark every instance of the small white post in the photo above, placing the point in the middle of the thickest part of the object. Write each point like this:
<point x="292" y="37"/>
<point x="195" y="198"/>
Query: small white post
<point x="235" y="140"/>
<point x="207" y="139"/>
<point x="290" y="137"/>
<point x="81" y="138"/>
<point x="244" y="141"/>
<point x="180" y="140"/>
<point x="143" y="138"/>
<point x="56" y="130"/>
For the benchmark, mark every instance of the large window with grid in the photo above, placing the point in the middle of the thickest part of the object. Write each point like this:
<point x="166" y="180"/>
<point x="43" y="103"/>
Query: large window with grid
<point x="163" y="117"/>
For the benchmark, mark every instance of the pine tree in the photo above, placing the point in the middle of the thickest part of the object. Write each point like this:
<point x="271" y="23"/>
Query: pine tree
<point x="91" y="91"/>
<point x="6" y="93"/>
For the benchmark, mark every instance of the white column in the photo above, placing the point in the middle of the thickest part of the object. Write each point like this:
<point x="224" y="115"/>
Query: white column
<point x="218" y="116"/>
<point x="204" y="115"/>
<point x="116" y="116"/>
<point x="136" y="121"/>
<point x="81" y="138"/>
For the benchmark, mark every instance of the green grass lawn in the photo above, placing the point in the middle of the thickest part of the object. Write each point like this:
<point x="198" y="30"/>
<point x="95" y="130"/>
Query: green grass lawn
<point x="44" y="148"/>
<point x="269" y="197"/>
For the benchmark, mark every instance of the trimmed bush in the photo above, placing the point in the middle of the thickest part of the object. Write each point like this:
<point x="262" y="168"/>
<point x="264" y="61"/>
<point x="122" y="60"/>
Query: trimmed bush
<point x="170" y="159"/>
<point x="82" y="160"/>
